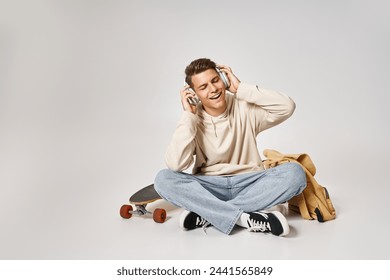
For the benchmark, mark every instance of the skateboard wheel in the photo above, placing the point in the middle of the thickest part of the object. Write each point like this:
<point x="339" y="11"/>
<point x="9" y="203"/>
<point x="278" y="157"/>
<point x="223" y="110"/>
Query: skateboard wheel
<point x="159" y="215"/>
<point x="125" y="211"/>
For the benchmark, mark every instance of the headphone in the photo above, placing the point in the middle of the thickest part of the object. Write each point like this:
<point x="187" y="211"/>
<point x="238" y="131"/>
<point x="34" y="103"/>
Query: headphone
<point x="223" y="77"/>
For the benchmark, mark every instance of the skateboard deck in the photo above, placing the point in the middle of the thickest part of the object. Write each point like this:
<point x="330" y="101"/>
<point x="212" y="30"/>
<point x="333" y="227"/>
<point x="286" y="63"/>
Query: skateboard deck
<point x="145" y="195"/>
<point x="140" y="199"/>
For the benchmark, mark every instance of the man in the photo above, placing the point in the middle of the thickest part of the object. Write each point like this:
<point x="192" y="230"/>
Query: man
<point x="229" y="185"/>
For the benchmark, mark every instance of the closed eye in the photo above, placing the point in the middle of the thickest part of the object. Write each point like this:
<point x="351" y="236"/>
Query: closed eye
<point x="213" y="81"/>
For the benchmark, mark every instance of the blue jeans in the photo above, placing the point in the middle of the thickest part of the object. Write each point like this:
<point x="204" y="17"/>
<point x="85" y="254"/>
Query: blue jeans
<point x="222" y="199"/>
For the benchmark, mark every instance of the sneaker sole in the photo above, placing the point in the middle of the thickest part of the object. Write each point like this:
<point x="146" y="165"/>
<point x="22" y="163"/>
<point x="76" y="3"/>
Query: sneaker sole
<point x="283" y="221"/>
<point x="182" y="218"/>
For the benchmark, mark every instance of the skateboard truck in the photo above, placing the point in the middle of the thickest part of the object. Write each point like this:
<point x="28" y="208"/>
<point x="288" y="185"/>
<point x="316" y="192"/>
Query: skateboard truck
<point x="140" y="199"/>
<point x="126" y="212"/>
<point x="141" y="210"/>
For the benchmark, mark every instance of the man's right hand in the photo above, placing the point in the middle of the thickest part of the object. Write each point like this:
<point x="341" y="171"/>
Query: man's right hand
<point x="185" y="94"/>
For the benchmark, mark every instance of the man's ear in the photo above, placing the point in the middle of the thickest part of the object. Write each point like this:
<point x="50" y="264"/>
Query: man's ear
<point x="188" y="81"/>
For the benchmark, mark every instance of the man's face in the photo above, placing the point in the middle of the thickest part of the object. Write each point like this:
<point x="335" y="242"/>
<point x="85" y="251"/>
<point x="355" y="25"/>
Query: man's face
<point x="211" y="91"/>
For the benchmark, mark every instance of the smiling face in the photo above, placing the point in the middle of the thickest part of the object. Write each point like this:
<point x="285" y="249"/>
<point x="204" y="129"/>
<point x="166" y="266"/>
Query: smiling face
<point x="211" y="91"/>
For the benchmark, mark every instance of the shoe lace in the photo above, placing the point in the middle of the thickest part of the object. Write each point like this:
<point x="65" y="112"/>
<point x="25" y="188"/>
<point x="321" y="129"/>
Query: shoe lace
<point x="205" y="226"/>
<point x="200" y="222"/>
<point x="256" y="226"/>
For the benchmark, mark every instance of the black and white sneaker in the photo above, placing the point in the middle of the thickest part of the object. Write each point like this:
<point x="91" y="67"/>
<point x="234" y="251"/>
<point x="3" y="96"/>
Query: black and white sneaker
<point x="273" y="222"/>
<point x="190" y="220"/>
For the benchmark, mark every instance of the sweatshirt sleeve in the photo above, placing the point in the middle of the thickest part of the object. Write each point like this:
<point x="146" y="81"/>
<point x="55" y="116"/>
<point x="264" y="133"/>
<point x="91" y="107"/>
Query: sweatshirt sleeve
<point x="269" y="107"/>
<point x="180" y="152"/>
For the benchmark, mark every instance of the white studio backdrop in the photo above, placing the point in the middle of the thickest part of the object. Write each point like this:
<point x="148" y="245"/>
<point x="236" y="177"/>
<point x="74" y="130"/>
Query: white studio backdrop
<point x="89" y="92"/>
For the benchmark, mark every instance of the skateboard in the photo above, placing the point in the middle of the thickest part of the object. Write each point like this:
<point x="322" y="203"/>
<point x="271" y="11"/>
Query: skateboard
<point x="140" y="199"/>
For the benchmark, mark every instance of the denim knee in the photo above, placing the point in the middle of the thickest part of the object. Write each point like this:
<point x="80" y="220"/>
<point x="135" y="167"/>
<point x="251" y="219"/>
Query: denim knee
<point x="298" y="176"/>
<point x="161" y="177"/>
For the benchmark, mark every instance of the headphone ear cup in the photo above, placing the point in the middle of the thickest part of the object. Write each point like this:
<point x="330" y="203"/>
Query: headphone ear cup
<point x="224" y="78"/>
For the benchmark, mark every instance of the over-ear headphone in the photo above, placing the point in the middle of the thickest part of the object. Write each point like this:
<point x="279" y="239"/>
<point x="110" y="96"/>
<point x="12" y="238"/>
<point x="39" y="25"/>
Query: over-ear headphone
<point x="223" y="77"/>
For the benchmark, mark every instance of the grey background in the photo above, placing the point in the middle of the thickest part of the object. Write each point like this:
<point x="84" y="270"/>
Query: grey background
<point x="89" y="99"/>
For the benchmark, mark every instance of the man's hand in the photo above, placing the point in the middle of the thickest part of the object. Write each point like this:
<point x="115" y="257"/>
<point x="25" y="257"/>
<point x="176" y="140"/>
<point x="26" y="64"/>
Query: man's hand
<point x="185" y="93"/>
<point x="234" y="81"/>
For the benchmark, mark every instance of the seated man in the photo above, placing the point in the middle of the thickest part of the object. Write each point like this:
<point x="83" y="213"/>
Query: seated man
<point x="229" y="185"/>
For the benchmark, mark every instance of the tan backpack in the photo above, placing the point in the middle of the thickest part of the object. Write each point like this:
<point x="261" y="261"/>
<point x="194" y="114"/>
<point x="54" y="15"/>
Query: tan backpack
<point x="314" y="201"/>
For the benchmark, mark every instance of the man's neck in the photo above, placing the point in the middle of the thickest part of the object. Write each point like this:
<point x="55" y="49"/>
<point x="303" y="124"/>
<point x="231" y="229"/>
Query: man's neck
<point x="215" y="112"/>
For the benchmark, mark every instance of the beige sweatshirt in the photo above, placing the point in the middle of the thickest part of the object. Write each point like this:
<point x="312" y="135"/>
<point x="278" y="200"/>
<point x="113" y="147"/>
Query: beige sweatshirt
<point x="226" y="145"/>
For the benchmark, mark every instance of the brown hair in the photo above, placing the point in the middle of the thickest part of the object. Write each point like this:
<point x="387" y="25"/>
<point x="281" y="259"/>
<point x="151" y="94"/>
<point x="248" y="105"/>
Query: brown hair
<point x="198" y="66"/>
